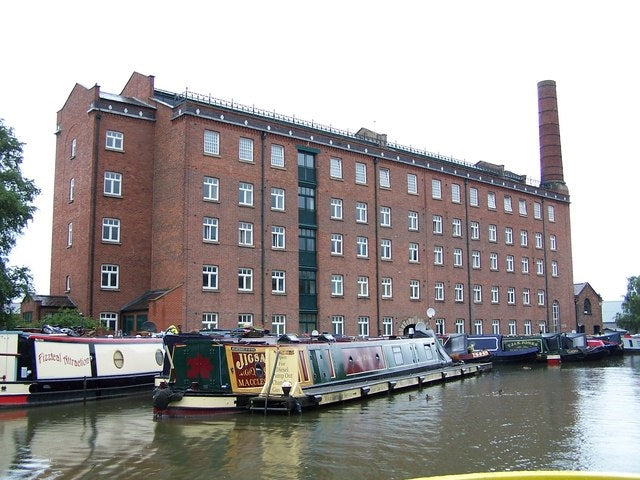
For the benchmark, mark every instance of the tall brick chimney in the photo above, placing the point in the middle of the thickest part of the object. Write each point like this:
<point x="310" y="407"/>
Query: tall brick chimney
<point x="551" y="173"/>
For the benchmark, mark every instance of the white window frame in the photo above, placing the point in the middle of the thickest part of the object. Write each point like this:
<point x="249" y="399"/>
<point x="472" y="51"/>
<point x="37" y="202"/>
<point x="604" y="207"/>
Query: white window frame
<point x="554" y="268"/>
<point x="508" y="236"/>
<point x="337" y="324"/>
<point x="361" y="173"/>
<point x="525" y="265"/>
<point x="412" y="184"/>
<point x="537" y="210"/>
<point x="538" y="240"/>
<point x="387" y="326"/>
<point x="526" y="296"/>
<point x="513" y="327"/>
<point x="495" y="327"/>
<point x="337" y="244"/>
<point x="114" y="141"/>
<point x="474" y="228"/>
<point x="278" y="281"/>
<point x="385" y="217"/>
<point x="491" y="200"/>
<point x="74" y="144"/>
<point x="553" y="244"/>
<point x="456" y="227"/>
<point x="245" y="234"/>
<point x="385" y="249"/>
<point x="335" y="168"/>
<point x="527" y="327"/>
<point x="362" y="247"/>
<point x="511" y="296"/>
<point x="245" y="194"/>
<point x="245" y="149"/>
<point x="438" y="292"/>
<point x="477" y="294"/>
<point x="475" y="259"/>
<point x="111" y="227"/>
<point x="458" y="260"/>
<point x="511" y="266"/>
<point x="438" y="255"/>
<point x="437" y="224"/>
<point x="277" y="199"/>
<point x="414" y="252"/>
<point x="495" y="294"/>
<point x="363" y="326"/>
<point x="211" y="143"/>
<point x="109" y="321"/>
<point x="69" y="234"/>
<point x="458" y="293"/>
<point x="477" y="326"/>
<point x="459" y="325"/>
<point x="209" y="320"/>
<point x="277" y="155"/>
<point x="245" y="319"/>
<point x="522" y="207"/>
<point x="552" y="213"/>
<point x="278" y="324"/>
<point x="385" y="178"/>
<point x="361" y="212"/>
<point x="337" y="285"/>
<point x="414" y="289"/>
<point x="493" y="261"/>
<point x="539" y="266"/>
<point x="493" y="233"/>
<point x="455" y="193"/>
<point x="72" y="188"/>
<point x="109" y="277"/>
<point x="336" y="209"/>
<point x="278" y="237"/>
<point x="210" y="189"/>
<point x="363" y="286"/>
<point x="386" y="287"/>
<point x="541" y="297"/>
<point x="473" y="197"/>
<point x="413" y="221"/>
<point x="112" y="184"/>
<point x="245" y="279"/>
<point x="210" y="277"/>
<point x="436" y="189"/>
<point x="508" y="207"/>
<point x="524" y="238"/>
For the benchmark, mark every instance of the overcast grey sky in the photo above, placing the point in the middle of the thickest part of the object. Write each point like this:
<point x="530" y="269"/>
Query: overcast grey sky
<point x="453" y="77"/>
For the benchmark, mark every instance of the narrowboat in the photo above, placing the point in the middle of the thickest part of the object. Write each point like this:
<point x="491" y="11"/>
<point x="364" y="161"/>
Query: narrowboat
<point x="460" y="348"/>
<point x="553" y="346"/>
<point x="206" y="374"/>
<point x="631" y="343"/>
<point x="493" y="344"/>
<point x="41" y="369"/>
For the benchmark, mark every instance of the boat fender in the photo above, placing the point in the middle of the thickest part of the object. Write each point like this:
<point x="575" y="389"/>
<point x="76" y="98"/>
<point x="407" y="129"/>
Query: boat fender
<point x="162" y="397"/>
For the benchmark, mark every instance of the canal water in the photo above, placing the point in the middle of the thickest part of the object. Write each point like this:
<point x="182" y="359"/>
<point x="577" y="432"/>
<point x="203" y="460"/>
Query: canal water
<point x="572" y="417"/>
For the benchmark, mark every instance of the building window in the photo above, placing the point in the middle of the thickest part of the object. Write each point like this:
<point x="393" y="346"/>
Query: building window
<point x="277" y="156"/>
<point x="456" y="227"/>
<point x="362" y="247"/>
<point x="412" y="218"/>
<point x="277" y="281"/>
<point x="115" y="140"/>
<point x="493" y="261"/>
<point x="414" y="289"/>
<point x="493" y="233"/>
<point x="537" y="211"/>
<point x="209" y="320"/>
<point x="477" y="325"/>
<point x="361" y="173"/>
<point x="73" y="148"/>
<point x="507" y="204"/>
<point x="69" y="234"/>
<point x="278" y="324"/>
<point x="438" y="293"/>
<point x="526" y="296"/>
<point x="495" y="327"/>
<point x="508" y="235"/>
<point x="245" y="319"/>
<point x="440" y="326"/>
<point x="539" y="267"/>
<point x="512" y="327"/>
<point x="436" y="189"/>
<point x="457" y="257"/>
<point x="511" y="296"/>
<point x="72" y="185"/>
<point x="477" y="294"/>
<point x="277" y="237"/>
<point x="209" y="277"/>
<point x="385" y="217"/>
<point x="336" y="209"/>
<point x="458" y="292"/>
<point x="113" y="184"/>
<point x="336" y="244"/>
<point x="552" y="242"/>
<point x="67" y="283"/>
<point x="211" y="142"/>
<point x="455" y="193"/>
<point x="337" y="324"/>
<point x="111" y="230"/>
<point x="363" y="326"/>
<point x="525" y="265"/>
<point x="413" y="253"/>
<point x="209" y="229"/>
<point x="387" y="287"/>
<point x="475" y="230"/>
<point x="527" y="327"/>
<point x="475" y="259"/>
<point x="387" y="326"/>
<point x="473" y="197"/>
<point x="524" y="238"/>
<point x="245" y="234"/>
<point x="385" y="178"/>
<point x="245" y="149"/>
<point x="459" y="325"/>
<point x="510" y="263"/>
<point x="412" y="184"/>
<point x="109" y="276"/>
<point x="552" y="213"/>
<point x="306" y="240"/>
<point x="437" y="224"/>
<point x="491" y="200"/>
<point x="495" y="294"/>
<point x="277" y="199"/>
<point x="335" y="169"/>
<point x="542" y="326"/>
<point x="522" y="207"/>
<point x="363" y="287"/>
<point x="210" y="189"/>
<point x="540" y="297"/>
<point x="385" y="249"/>
<point x="109" y="321"/>
<point x="555" y="313"/>
<point x="361" y="212"/>
<point x="554" y="268"/>
<point x="245" y="279"/>
<point x="438" y="255"/>
<point x="245" y="194"/>
<point x="337" y="283"/>
<point x="538" y="240"/>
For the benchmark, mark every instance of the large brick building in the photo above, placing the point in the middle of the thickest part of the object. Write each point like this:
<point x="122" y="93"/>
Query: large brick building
<point x="185" y="209"/>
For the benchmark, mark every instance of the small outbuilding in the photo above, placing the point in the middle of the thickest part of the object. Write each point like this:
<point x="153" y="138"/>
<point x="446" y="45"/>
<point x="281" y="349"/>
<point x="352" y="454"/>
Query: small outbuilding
<point x="588" y="305"/>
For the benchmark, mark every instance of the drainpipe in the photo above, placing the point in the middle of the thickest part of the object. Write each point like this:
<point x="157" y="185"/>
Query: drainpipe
<point x="377" y="242"/>
<point x="466" y="223"/>
<point x="263" y="137"/>
<point x="546" y="266"/>
<point x="92" y="213"/>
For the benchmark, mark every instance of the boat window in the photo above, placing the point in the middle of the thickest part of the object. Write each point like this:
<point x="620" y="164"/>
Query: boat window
<point x="397" y="356"/>
<point x="428" y="351"/>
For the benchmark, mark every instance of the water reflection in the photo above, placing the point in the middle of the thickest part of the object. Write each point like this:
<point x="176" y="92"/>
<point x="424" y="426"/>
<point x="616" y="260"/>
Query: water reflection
<point x="514" y="418"/>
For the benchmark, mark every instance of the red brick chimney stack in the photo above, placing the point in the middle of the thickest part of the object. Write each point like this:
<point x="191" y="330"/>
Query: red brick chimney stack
<point x="551" y="173"/>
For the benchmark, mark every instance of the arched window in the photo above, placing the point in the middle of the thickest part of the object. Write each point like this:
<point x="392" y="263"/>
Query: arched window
<point x="587" y="307"/>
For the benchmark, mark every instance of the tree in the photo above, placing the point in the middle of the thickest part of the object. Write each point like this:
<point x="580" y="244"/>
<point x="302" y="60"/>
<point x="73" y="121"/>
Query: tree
<point x="69" y="317"/>
<point x="17" y="195"/>
<point x="629" y="319"/>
